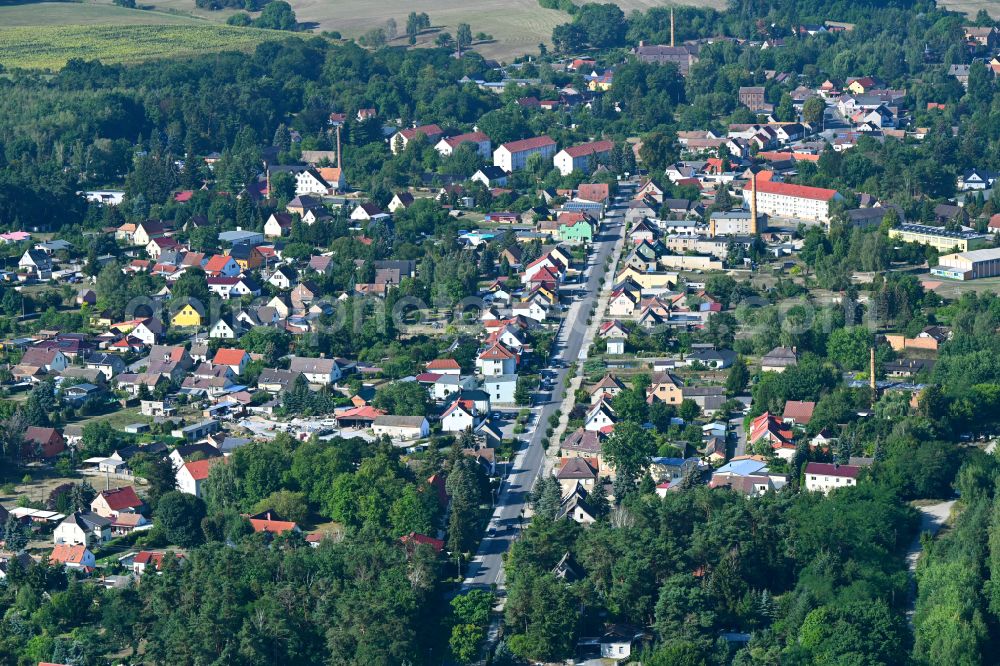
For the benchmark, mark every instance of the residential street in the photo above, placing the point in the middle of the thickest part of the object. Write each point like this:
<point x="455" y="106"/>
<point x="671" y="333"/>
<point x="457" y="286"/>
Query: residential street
<point x="487" y="566"/>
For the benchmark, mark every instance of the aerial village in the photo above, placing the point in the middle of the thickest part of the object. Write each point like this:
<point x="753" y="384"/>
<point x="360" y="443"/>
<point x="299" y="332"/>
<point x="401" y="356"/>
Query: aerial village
<point x="527" y="333"/>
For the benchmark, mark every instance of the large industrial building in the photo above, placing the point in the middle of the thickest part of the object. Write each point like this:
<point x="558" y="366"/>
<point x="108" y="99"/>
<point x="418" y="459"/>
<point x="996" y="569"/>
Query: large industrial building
<point x="969" y="265"/>
<point x="944" y="240"/>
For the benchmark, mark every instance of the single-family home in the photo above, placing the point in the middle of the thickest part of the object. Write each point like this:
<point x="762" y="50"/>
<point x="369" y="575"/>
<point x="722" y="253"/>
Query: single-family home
<point x="42" y="442"/>
<point x="235" y="359"/>
<point x="111" y="503"/>
<point x="83" y="527"/>
<point x="600" y="416"/>
<point x="501" y="388"/>
<point x="221" y="265"/>
<point x="664" y="387"/>
<point x="497" y="360"/>
<point x="191" y="476"/>
<point x="72" y="557"/>
<point x="278" y="225"/>
<point x="490" y="176"/>
<point x="824" y="477"/>
<point x="188" y="315"/>
<point x="779" y="359"/>
<point x="577" y="470"/>
<point x="323" y="371"/>
<point x="459" y="416"/>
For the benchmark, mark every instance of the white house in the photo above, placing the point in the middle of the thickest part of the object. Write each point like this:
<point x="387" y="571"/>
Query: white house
<point x="277" y="225"/>
<point x="401" y="139"/>
<point x="223" y="330"/>
<point x="234" y="359"/>
<point x="148" y="332"/>
<point x="490" y="176"/>
<point x="531" y="310"/>
<point x="222" y="264"/>
<point x="283" y="277"/>
<point x="83" y="528"/>
<point x="323" y="371"/>
<point x="450" y="385"/>
<point x="544" y="262"/>
<point x="617" y="642"/>
<point x="447" y="146"/>
<point x="401" y="427"/>
<point x="514" y="156"/>
<point x="368" y="212"/>
<point x="497" y="360"/>
<point x="50" y="360"/>
<point x="459" y="416"/>
<point x="623" y="303"/>
<point x="72" y="556"/>
<point x="444" y="366"/>
<point x="501" y="388"/>
<point x="37" y="262"/>
<point x="600" y="416"/>
<point x="191" y="476"/>
<point x="824" y="477"/>
<point x="583" y="157"/>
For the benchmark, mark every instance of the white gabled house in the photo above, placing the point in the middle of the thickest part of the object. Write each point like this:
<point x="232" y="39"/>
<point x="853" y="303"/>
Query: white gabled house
<point x="531" y="310"/>
<point x="497" y="360"/>
<point x="461" y="415"/>
<point x="600" y="416"/>
<point x="322" y="371"/>
<point x="283" y="277"/>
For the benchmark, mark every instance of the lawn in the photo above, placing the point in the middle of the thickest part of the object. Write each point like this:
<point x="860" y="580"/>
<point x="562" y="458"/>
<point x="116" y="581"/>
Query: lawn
<point x="50" y="46"/>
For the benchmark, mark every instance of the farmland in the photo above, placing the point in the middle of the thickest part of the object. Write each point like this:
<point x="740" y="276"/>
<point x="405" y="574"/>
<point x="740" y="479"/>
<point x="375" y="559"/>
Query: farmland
<point x="47" y="34"/>
<point x="517" y="26"/>
<point x="50" y="46"/>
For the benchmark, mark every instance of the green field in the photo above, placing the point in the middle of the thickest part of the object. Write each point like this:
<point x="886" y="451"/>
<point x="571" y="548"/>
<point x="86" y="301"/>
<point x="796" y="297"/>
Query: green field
<point x="50" y="46"/>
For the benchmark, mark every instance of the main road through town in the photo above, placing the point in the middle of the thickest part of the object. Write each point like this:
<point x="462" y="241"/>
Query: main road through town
<point x="486" y="568"/>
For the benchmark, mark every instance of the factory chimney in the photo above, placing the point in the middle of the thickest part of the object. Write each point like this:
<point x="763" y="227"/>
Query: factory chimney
<point x="871" y="373"/>
<point x="671" y="27"/>
<point x="753" y="203"/>
<point x="339" y="164"/>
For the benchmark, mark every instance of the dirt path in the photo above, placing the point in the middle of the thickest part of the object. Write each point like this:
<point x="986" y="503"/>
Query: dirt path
<point x="932" y="518"/>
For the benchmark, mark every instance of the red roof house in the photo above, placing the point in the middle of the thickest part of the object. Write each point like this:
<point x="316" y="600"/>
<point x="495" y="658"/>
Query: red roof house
<point x="42" y="443"/>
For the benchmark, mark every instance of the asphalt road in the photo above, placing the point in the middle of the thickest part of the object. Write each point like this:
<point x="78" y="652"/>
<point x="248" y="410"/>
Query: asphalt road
<point x="486" y="568"/>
